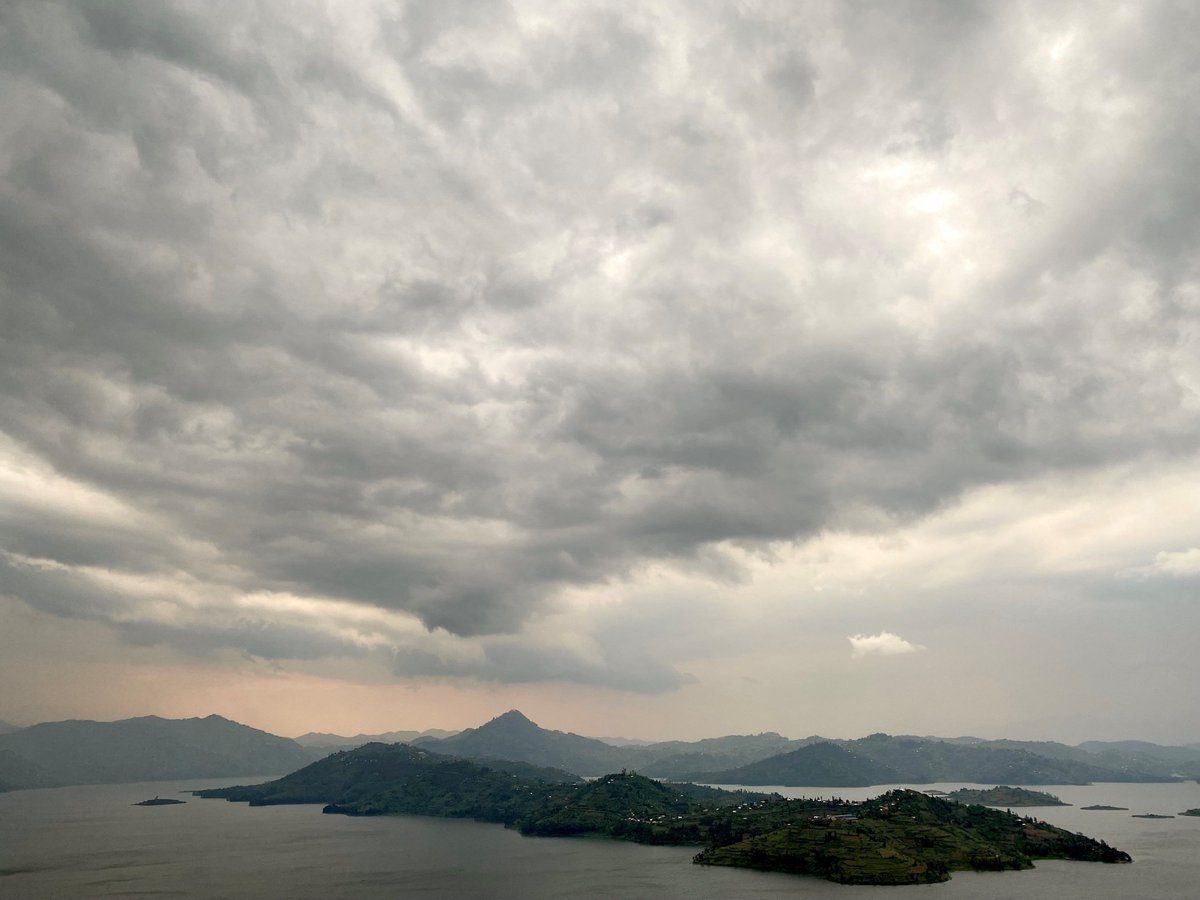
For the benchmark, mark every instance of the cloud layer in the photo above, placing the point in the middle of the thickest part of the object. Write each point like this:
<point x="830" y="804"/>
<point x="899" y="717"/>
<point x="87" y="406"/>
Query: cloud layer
<point x="389" y="331"/>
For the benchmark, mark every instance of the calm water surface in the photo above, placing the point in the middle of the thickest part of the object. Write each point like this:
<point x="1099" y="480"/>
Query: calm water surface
<point x="90" y="842"/>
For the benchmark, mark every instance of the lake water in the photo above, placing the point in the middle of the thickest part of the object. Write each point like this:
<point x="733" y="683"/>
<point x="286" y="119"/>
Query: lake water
<point x="90" y="842"/>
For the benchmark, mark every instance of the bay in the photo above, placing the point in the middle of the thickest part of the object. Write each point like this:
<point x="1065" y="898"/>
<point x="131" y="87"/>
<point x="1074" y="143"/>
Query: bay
<point x="89" y="841"/>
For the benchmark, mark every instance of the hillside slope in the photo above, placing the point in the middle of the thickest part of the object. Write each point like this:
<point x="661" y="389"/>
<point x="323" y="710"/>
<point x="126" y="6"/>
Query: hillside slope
<point x="883" y="759"/>
<point x="84" y="752"/>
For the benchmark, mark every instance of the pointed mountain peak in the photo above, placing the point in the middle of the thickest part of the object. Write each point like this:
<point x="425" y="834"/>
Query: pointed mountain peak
<point x="514" y="718"/>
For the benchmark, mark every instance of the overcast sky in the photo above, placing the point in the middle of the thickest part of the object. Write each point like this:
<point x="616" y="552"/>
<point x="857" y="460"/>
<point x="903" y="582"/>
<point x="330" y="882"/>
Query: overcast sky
<point x="665" y="369"/>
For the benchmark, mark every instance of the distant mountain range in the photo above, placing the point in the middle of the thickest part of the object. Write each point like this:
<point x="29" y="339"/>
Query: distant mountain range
<point x="514" y="736"/>
<point x="883" y="759"/>
<point x="149" y="748"/>
<point x="676" y="760"/>
<point x="771" y="759"/>
<point x="625" y="742"/>
<point x="824" y="764"/>
<point x="342" y="742"/>
<point x="82" y="752"/>
<point x="1185" y="760"/>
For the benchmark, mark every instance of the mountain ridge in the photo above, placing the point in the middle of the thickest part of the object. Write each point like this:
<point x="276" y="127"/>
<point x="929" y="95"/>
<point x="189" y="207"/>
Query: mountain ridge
<point x="325" y="739"/>
<point x="884" y="759"/>
<point x="512" y="735"/>
<point x="144" y="748"/>
<point x="770" y="758"/>
<point x="81" y="751"/>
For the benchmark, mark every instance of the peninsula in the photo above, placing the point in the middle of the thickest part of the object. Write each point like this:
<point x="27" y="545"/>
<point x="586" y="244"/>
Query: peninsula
<point x="902" y="837"/>
<point x="907" y="837"/>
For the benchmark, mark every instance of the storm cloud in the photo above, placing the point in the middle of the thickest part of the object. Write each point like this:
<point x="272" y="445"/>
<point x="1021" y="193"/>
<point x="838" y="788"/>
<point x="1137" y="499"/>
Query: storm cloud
<point x="426" y="316"/>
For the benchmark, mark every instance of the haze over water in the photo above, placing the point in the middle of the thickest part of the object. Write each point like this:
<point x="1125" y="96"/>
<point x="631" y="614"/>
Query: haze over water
<point x="90" y="842"/>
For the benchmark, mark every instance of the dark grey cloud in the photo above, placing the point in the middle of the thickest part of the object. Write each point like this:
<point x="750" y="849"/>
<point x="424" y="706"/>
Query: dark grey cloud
<point x="518" y="662"/>
<point x="445" y="309"/>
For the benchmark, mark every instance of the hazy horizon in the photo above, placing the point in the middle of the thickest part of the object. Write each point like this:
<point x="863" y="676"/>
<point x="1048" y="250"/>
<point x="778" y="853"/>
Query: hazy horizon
<point x="636" y="738"/>
<point x="668" y="371"/>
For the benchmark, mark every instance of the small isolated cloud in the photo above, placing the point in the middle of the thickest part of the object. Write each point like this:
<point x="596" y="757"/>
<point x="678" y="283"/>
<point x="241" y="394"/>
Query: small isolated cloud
<point x="1178" y="563"/>
<point x="1171" y="563"/>
<point x="883" y="644"/>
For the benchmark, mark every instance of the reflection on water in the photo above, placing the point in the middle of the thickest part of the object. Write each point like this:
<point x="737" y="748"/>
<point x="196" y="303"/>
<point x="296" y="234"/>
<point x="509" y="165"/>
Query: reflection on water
<point x="90" y="842"/>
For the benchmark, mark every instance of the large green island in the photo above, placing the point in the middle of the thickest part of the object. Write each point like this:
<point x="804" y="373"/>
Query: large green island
<point x="1003" y="795"/>
<point x="902" y="837"/>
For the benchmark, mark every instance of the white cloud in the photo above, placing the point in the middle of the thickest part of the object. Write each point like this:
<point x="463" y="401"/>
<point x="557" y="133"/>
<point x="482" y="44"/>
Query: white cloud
<point x="883" y="644"/>
<point x="1179" y="563"/>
